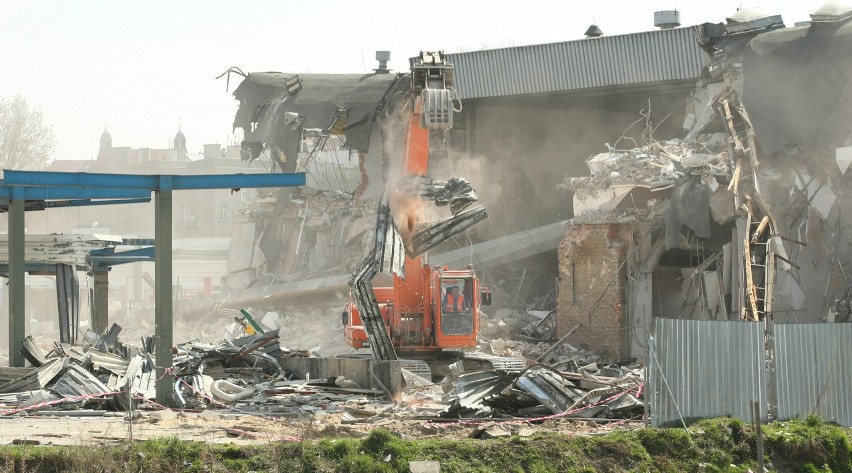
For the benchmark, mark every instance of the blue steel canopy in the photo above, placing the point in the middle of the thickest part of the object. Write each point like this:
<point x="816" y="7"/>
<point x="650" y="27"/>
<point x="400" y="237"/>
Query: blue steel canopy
<point x="25" y="187"/>
<point x="83" y="181"/>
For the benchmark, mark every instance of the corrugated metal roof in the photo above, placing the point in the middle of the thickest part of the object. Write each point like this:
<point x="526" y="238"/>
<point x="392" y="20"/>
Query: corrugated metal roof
<point x="607" y="61"/>
<point x="705" y="369"/>
<point x="812" y="371"/>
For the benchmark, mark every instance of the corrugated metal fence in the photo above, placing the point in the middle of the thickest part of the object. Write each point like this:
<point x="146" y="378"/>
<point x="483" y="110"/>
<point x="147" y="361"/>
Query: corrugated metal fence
<point x="813" y="371"/>
<point x="705" y="369"/>
<point x="717" y="368"/>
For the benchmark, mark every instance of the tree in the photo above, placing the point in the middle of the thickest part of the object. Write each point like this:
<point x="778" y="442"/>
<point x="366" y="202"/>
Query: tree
<point x="26" y="142"/>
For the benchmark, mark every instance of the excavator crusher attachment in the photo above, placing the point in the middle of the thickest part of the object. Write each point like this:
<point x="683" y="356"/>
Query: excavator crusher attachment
<point x="457" y="194"/>
<point x="437" y="109"/>
<point x="432" y="77"/>
<point x="432" y="236"/>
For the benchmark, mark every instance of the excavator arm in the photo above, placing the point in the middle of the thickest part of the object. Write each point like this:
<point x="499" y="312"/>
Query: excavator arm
<point x="432" y="104"/>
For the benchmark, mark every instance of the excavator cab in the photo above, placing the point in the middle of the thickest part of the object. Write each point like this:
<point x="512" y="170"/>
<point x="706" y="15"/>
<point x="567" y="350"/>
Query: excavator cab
<point x="457" y="304"/>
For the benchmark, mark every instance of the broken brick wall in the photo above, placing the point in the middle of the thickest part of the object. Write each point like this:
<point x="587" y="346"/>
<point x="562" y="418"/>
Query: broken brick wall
<point x="592" y="286"/>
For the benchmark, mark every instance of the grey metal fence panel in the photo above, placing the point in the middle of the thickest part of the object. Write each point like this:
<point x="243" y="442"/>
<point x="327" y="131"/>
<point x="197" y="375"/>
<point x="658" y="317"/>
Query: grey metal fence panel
<point x="812" y="370"/>
<point x="705" y="369"/>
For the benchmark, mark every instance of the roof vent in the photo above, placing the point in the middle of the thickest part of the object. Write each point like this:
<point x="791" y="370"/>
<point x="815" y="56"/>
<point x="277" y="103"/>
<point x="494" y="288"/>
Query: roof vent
<point x="593" y="31"/>
<point x="667" y="19"/>
<point x="383" y="57"/>
<point x="747" y="15"/>
<point x="833" y="11"/>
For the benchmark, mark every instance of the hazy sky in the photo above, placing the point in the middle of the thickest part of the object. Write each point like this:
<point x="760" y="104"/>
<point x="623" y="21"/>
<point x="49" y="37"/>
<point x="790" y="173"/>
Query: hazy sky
<point x="141" y="67"/>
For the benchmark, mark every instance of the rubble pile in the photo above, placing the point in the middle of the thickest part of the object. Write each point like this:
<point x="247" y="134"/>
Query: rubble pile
<point x="590" y="391"/>
<point x="657" y="162"/>
<point x="318" y="328"/>
<point x="101" y="372"/>
<point x="314" y="234"/>
<point x="243" y="375"/>
<point x="641" y="181"/>
<point x="527" y="325"/>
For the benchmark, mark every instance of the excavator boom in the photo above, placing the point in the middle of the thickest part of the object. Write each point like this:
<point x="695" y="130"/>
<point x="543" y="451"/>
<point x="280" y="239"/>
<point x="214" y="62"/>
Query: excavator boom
<point x="413" y="299"/>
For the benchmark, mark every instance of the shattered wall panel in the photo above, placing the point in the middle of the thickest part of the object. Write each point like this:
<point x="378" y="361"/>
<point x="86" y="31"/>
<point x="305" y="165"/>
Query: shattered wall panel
<point x="812" y="371"/>
<point x="807" y="106"/>
<point x="705" y="369"/>
<point x="641" y="313"/>
<point x="690" y="207"/>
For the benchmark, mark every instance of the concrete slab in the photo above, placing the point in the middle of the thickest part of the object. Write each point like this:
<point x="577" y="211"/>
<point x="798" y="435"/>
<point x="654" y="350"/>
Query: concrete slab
<point x="424" y="467"/>
<point x="381" y="375"/>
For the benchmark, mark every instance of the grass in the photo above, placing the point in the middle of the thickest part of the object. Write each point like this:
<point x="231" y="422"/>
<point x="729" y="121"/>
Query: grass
<point x="713" y="445"/>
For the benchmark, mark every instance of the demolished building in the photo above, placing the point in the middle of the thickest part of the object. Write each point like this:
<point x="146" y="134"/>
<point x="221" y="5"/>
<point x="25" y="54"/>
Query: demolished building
<point x="324" y="125"/>
<point x="509" y="140"/>
<point x="742" y="217"/>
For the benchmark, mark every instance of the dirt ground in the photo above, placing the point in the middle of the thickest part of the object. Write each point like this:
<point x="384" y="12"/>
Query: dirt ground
<point x="222" y="427"/>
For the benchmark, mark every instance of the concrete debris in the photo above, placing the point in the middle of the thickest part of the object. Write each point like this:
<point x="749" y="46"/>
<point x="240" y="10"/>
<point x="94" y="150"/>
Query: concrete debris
<point x="525" y="325"/>
<point x="255" y="374"/>
<point x="636" y="180"/>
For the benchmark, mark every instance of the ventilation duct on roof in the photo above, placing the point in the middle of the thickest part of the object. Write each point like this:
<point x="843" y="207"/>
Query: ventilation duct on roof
<point x="667" y="19"/>
<point x="383" y="57"/>
<point x="593" y="31"/>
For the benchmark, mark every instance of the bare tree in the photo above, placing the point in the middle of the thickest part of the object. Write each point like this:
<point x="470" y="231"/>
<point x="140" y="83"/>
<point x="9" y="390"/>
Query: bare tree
<point x="26" y="142"/>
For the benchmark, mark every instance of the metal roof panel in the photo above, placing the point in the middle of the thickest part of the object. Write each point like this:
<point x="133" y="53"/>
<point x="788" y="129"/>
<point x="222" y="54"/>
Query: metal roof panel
<point x="607" y="61"/>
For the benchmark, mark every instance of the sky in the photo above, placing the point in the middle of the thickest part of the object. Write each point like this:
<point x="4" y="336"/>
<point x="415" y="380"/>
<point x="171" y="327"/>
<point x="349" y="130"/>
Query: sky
<point x="143" y="69"/>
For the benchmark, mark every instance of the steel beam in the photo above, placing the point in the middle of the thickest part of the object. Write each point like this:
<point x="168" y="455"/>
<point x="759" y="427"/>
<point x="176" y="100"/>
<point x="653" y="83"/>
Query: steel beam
<point x="42" y="269"/>
<point x="102" y="262"/>
<point x="68" y="302"/>
<point x="17" y="283"/>
<point x="89" y="202"/>
<point x="151" y="182"/>
<point x="100" y="302"/>
<point x="46" y="192"/>
<point x="163" y="309"/>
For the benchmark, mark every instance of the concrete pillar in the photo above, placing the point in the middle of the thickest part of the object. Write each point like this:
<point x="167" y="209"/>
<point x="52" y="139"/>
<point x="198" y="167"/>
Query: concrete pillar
<point x="17" y="281"/>
<point x="138" y="288"/>
<point x="163" y="310"/>
<point x="100" y="303"/>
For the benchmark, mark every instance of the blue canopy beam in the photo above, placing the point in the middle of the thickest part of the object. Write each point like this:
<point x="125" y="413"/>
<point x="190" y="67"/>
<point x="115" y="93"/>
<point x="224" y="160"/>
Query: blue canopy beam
<point x="151" y="182"/>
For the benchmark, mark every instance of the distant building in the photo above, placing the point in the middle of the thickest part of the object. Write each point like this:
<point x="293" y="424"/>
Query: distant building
<point x="206" y="213"/>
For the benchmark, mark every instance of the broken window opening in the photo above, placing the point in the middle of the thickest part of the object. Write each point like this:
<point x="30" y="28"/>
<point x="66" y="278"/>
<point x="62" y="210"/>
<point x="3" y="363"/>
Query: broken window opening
<point x="681" y="258"/>
<point x="327" y="160"/>
<point x="573" y="282"/>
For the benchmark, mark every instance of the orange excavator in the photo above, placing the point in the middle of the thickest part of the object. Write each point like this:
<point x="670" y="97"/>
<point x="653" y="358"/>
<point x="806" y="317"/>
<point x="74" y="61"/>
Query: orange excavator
<point x="430" y="312"/>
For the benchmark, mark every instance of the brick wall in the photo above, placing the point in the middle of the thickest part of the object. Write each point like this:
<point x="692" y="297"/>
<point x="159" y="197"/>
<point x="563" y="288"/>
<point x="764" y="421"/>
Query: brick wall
<point x="589" y="257"/>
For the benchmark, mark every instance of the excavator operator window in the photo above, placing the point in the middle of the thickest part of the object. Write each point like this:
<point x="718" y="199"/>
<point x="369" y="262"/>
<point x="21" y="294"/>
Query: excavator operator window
<point x="456" y="306"/>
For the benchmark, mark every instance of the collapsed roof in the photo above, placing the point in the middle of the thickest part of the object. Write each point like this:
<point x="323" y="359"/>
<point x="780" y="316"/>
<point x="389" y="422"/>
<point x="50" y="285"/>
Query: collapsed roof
<point x="336" y="103"/>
